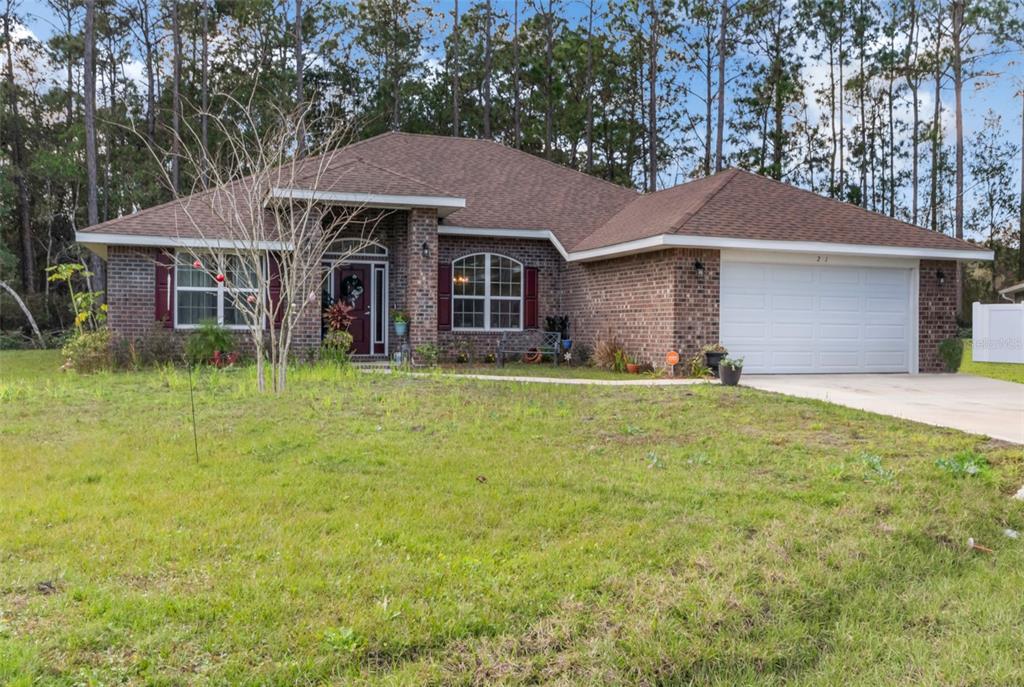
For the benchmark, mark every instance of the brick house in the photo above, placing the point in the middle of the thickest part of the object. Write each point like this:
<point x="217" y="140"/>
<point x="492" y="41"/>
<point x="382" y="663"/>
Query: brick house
<point x="481" y="241"/>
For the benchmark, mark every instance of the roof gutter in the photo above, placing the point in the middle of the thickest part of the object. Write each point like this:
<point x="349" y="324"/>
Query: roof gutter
<point x="662" y="241"/>
<point x="444" y="205"/>
<point x="98" y="243"/>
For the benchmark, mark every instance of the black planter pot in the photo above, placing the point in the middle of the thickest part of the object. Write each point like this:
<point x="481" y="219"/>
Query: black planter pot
<point x="713" y="360"/>
<point x="730" y="376"/>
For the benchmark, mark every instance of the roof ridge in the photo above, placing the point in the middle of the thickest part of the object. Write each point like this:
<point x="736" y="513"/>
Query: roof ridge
<point x="728" y="177"/>
<point x="910" y="225"/>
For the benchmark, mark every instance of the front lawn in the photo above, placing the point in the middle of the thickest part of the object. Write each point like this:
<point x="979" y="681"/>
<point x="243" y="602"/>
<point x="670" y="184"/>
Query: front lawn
<point x="1008" y="372"/>
<point x="544" y="370"/>
<point x="396" y="529"/>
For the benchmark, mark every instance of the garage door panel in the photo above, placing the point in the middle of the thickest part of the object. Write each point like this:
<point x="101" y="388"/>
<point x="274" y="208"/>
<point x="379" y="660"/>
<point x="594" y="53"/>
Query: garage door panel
<point x="793" y="360"/>
<point x="842" y="304"/>
<point x="839" y="276"/>
<point x="749" y="301"/>
<point x="842" y="332"/>
<point x="751" y="332"/>
<point x="875" y="332"/>
<point x="816" y="318"/>
<point x="792" y="331"/>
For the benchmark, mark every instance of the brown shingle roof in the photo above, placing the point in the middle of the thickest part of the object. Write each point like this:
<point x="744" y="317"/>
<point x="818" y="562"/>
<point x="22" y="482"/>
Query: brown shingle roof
<point x="743" y="205"/>
<point x="506" y="188"/>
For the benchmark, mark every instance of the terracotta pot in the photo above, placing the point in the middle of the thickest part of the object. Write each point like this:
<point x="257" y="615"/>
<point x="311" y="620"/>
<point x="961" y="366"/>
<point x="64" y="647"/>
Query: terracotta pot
<point x="730" y="376"/>
<point x="632" y="368"/>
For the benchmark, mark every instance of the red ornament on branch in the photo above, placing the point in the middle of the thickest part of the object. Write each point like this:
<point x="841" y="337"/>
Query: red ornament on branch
<point x="219" y="278"/>
<point x="198" y="265"/>
<point x="251" y="298"/>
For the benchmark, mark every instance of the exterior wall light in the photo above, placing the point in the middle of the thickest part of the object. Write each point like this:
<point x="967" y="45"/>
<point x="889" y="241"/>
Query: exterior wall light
<point x="425" y="249"/>
<point x="941" y="276"/>
<point x="698" y="267"/>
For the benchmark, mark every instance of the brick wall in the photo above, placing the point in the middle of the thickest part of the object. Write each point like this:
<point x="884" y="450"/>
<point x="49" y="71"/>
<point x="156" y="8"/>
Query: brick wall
<point x="532" y="253"/>
<point x="421" y="276"/>
<point x="936" y="311"/>
<point x="131" y="290"/>
<point x="629" y="300"/>
<point x="697" y="300"/>
<point x="650" y="303"/>
<point x="131" y="296"/>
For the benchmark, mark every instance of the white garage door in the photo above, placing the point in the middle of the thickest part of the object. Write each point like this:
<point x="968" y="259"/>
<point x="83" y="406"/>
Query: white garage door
<point x="816" y="318"/>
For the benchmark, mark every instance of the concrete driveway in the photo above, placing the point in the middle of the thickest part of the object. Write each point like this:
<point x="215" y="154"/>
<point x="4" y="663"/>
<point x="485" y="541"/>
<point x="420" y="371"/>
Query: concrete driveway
<point x="973" y="404"/>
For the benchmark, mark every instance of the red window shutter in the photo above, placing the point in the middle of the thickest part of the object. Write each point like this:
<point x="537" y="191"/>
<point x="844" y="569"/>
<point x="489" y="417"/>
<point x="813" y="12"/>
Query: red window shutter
<point x="165" y="289"/>
<point x="444" y="297"/>
<point x="530" y="300"/>
<point x="274" y="286"/>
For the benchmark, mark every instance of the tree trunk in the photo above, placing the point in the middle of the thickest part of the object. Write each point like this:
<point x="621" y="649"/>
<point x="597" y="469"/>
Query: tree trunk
<point x="842" y="104"/>
<point x="515" y="78"/>
<point x="861" y="93"/>
<point x="28" y="255"/>
<point x="396" y="87"/>
<point x="708" y="103"/>
<point x="300" y="89"/>
<point x="652" y="107"/>
<point x="549" y="80"/>
<point x="24" y="308"/>
<point x="456" y="40"/>
<point x="175" y="98"/>
<point x="150" y="51"/>
<point x="956" y="34"/>
<point x="204" y="86"/>
<point x="89" y="120"/>
<point x="936" y="141"/>
<point x="487" y="72"/>
<point x="832" y="189"/>
<point x="1020" y="224"/>
<point x="590" y="88"/>
<point x="720" y="129"/>
<point x="914" y="141"/>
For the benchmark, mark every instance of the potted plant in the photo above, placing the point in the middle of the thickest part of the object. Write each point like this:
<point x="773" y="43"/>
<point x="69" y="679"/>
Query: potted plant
<point x="401" y="320"/>
<point x="632" y="366"/>
<point x="713" y="354"/>
<point x="729" y="371"/>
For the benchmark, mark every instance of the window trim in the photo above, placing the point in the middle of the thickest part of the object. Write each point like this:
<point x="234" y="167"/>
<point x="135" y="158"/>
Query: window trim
<point x="487" y="297"/>
<point x="219" y="289"/>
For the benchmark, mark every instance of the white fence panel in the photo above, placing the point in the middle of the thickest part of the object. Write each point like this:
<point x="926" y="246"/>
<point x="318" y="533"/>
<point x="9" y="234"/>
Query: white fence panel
<point x="998" y="333"/>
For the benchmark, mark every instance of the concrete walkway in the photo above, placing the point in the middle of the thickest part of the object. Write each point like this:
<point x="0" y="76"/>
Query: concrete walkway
<point x="972" y="404"/>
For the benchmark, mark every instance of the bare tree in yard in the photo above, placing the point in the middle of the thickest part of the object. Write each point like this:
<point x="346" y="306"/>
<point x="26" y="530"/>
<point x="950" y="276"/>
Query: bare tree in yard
<point x="266" y="199"/>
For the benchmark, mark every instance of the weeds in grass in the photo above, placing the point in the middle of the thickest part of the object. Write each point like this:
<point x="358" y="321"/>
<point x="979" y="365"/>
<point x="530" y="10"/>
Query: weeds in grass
<point x="964" y="464"/>
<point x="875" y="470"/>
<point x="653" y="461"/>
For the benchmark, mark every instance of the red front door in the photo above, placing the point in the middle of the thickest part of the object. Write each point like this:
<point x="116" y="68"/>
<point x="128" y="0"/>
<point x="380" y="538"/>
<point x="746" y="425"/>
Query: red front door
<point x="353" y="287"/>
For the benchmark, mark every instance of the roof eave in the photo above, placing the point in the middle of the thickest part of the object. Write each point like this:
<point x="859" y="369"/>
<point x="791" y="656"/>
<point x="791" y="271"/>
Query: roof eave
<point x="445" y="205"/>
<point x="662" y="241"/>
<point x="98" y="242"/>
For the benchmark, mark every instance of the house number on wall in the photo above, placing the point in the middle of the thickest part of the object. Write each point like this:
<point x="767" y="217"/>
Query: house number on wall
<point x="822" y="258"/>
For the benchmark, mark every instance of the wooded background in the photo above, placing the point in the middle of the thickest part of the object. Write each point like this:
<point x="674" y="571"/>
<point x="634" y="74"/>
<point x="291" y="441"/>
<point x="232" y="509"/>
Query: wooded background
<point x="862" y="100"/>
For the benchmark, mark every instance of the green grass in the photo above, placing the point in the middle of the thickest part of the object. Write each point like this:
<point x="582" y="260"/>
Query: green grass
<point x="393" y="530"/>
<point x="1008" y="372"/>
<point x="542" y="370"/>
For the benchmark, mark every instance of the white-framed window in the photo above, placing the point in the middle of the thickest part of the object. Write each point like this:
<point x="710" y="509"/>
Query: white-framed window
<point x="487" y="292"/>
<point x="199" y="297"/>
